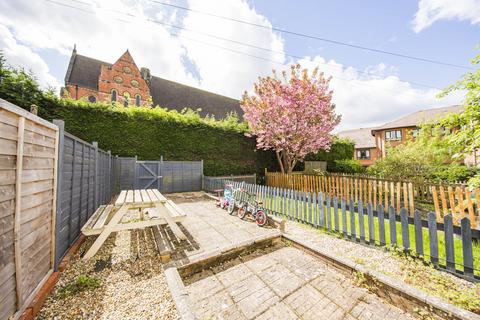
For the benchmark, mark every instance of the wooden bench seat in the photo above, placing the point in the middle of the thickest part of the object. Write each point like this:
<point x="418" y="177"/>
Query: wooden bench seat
<point x="98" y="220"/>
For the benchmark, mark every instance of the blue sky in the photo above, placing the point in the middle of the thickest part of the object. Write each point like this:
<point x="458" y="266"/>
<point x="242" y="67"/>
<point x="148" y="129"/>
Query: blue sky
<point x="385" y="25"/>
<point x="369" y="88"/>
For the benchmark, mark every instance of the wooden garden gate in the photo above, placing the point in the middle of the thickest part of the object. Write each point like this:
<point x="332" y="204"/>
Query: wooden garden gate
<point x="169" y="176"/>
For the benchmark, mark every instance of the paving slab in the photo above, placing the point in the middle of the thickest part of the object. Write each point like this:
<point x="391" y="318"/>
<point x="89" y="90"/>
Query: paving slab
<point x="212" y="228"/>
<point x="286" y="283"/>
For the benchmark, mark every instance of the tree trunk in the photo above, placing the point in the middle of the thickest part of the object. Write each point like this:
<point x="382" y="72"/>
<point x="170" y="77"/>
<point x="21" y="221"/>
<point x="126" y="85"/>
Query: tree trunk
<point x="279" y="158"/>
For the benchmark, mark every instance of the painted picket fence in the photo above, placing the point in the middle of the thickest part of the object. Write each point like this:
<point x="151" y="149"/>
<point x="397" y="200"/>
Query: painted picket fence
<point x="375" y="225"/>
<point x="455" y="199"/>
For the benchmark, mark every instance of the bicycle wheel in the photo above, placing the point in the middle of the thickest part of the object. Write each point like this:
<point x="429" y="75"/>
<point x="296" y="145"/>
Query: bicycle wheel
<point x="261" y="218"/>
<point x="231" y="207"/>
<point x="242" y="211"/>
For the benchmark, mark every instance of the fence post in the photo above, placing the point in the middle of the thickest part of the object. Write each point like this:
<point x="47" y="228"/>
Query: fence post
<point x="381" y="225"/>
<point x="203" y="178"/>
<point x="433" y="237"/>
<point x="393" y="226"/>
<point x="109" y="175"/>
<point x="417" y="220"/>
<point x="449" y="247"/>
<point x="95" y="189"/>
<point x="58" y="214"/>
<point x="467" y="247"/>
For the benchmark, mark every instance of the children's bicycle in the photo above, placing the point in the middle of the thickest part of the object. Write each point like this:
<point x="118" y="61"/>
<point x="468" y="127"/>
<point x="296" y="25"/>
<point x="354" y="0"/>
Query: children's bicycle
<point x="252" y="206"/>
<point x="228" y="199"/>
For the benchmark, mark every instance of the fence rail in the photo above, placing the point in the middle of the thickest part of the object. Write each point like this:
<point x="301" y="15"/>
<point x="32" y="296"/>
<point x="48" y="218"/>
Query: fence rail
<point x="427" y="239"/>
<point x="456" y="200"/>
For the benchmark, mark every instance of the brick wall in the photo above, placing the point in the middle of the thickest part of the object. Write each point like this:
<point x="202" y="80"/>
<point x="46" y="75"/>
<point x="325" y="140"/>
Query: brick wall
<point x="123" y="76"/>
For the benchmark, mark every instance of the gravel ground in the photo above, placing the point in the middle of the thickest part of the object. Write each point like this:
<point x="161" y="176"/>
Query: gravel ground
<point x="132" y="283"/>
<point x="412" y="271"/>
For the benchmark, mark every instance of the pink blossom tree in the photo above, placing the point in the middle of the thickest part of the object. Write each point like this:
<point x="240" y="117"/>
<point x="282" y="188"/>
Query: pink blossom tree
<point x="293" y="115"/>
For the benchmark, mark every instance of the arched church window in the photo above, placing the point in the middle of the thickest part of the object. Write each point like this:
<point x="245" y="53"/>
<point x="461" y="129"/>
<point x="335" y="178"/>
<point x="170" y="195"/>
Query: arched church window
<point x="126" y="99"/>
<point x="114" y="95"/>
<point x="138" y="99"/>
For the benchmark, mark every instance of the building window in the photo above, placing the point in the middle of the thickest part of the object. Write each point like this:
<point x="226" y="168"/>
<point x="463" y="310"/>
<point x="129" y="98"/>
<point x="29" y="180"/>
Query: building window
<point x="114" y="95"/>
<point x="138" y="99"/>
<point x="393" y="135"/>
<point x="92" y="99"/>
<point x="414" y="133"/>
<point x="126" y="99"/>
<point x="363" y="154"/>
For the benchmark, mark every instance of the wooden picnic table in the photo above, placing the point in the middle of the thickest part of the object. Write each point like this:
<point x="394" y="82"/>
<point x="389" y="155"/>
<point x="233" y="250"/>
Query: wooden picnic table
<point x="133" y="209"/>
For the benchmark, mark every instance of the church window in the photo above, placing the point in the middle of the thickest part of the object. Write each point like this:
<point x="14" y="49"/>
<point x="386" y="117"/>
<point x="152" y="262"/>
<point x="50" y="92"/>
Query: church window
<point x="138" y="99"/>
<point x="114" y="95"/>
<point x="127" y="70"/>
<point x="134" y="83"/>
<point x="118" y="79"/>
<point x="92" y="99"/>
<point x="126" y="99"/>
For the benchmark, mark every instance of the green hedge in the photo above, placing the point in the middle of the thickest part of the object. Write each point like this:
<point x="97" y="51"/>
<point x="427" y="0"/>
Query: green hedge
<point x="151" y="133"/>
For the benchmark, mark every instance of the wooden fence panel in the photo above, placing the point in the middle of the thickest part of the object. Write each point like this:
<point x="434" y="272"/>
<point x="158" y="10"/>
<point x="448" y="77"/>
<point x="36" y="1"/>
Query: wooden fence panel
<point x="28" y="149"/>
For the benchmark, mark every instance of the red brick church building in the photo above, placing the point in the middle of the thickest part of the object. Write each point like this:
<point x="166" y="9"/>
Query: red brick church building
<point x="123" y="82"/>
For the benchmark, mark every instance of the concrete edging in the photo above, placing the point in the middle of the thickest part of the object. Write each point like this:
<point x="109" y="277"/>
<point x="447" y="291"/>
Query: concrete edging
<point x="179" y="294"/>
<point x="399" y="293"/>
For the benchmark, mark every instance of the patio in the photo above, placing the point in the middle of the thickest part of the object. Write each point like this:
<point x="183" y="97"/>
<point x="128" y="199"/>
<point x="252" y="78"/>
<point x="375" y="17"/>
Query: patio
<point x="279" y="283"/>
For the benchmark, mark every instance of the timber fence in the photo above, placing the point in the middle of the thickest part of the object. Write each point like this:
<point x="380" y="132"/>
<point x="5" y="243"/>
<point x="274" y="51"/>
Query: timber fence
<point x="441" y="243"/>
<point x="28" y="173"/>
<point x="51" y="182"/>
<point x="455" y="199"/>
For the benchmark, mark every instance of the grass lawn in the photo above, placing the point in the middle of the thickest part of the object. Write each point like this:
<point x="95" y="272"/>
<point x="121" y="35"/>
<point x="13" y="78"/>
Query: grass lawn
<point x="306" y="213"/>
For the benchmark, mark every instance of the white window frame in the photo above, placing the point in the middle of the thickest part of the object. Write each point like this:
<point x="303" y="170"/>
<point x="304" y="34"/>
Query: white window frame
<point x="393" y="135"/>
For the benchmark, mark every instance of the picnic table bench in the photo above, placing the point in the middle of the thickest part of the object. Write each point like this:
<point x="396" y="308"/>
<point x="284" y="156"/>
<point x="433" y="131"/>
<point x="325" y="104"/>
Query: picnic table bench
<point x="133" y="209"/>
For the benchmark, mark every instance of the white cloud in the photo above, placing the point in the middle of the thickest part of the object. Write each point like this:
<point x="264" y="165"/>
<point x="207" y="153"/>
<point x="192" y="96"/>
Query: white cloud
<point x="430" y="11"/>
<point x="222" y="70"/>
<point x="26" y="27"/>
<point x="19" y="55"/>
<point x="366" y="100"/>
<point x="105" y="34"/>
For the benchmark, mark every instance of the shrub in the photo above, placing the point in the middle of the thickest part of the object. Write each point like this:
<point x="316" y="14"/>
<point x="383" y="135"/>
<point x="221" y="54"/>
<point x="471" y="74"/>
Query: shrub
<point x="341" y="149"/>
<point x="454" y="172"/>
<point x="474" y="182"/>
<point x="416" y="160"/>
<point x="346" y="166"/>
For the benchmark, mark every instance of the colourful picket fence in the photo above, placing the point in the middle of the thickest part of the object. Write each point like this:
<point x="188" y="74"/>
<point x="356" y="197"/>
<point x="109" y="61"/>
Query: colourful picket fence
<point x="457" y="199"/>
<point x="376" y="225"/>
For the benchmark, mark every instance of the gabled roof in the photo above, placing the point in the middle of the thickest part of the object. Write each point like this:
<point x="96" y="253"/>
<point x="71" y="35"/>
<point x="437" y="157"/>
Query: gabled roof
<point x="420" y="117"/>
<point x="362" y="137"/>
<point x="85" y="71"/>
